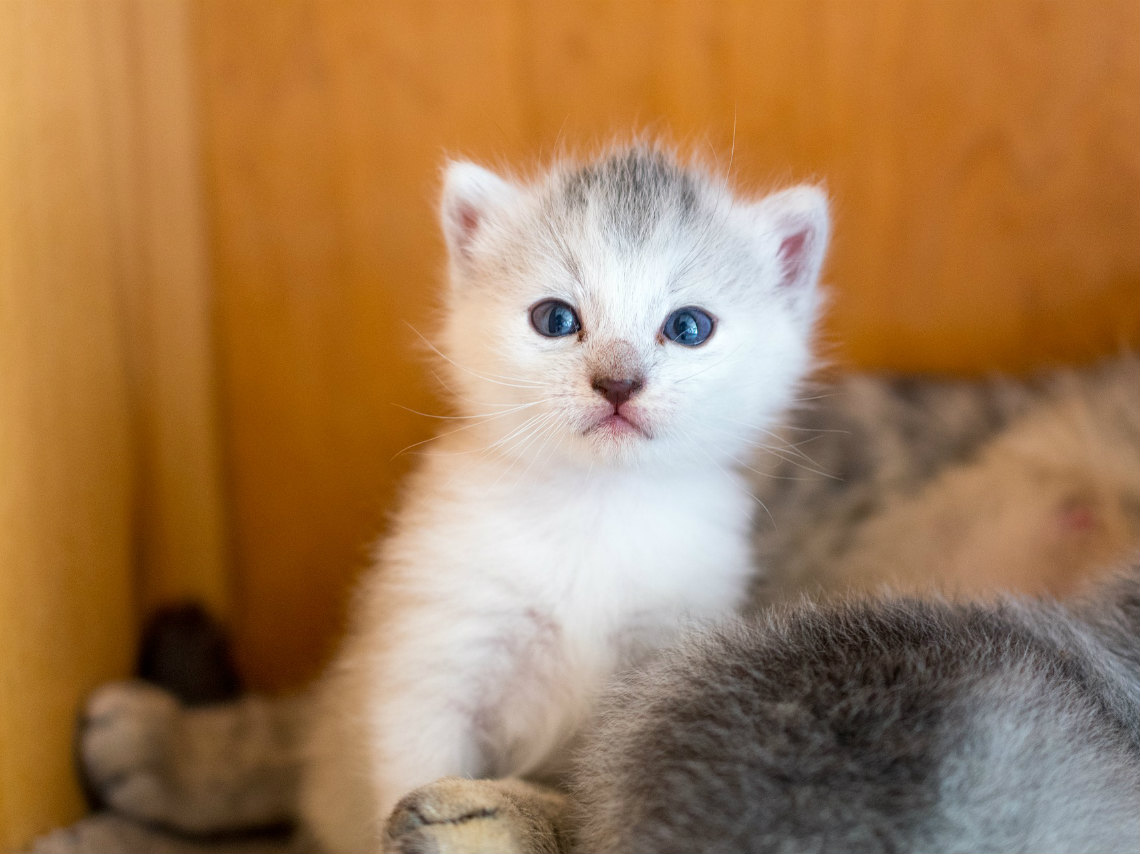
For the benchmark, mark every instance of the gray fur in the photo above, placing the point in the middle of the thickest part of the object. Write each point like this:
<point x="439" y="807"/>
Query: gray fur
<point x="901" y="725"/>
<point x="842" y="457"/>
<point x="212" y="769"/>
<point x="866" y="442"/>
<point x="636" y="186"/>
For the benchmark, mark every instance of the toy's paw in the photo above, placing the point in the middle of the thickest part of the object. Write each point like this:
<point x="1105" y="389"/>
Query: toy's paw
<point x="474" y="816"/>
<point x="126" y="739"/>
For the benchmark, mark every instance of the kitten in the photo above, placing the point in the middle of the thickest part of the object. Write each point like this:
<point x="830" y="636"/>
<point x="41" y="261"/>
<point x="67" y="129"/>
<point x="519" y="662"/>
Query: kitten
<point x="893" y="725"/>
<point x="617" y="335"/>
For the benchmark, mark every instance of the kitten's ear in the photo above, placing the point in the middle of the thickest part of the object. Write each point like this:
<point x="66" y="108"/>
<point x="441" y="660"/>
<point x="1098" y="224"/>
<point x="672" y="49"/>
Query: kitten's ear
<point x="794" y="225"/>
<point x="471" y="194"/>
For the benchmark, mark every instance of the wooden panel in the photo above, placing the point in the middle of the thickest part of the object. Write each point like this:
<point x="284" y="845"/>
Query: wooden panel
<point x="181" y="535"/>
<point x="109" y="481"/>
<point x="65" y="587"/>
<point x="982" y="158"/>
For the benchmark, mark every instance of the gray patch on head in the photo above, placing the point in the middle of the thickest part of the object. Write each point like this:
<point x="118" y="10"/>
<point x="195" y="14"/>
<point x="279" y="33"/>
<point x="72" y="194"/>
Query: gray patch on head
<point x="634" y="189"/>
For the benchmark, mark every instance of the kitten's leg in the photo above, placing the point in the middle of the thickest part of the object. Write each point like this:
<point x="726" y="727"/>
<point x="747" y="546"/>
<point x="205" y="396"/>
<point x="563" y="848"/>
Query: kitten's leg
<point x="208" y="769"/>
<point x="454" y="815"/>
<point x="414" y="698"/>
<point x="377" y="737"/>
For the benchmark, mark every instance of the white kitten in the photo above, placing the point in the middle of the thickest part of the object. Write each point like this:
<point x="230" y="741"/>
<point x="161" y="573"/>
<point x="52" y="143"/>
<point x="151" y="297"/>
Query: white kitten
<point x="617" y="335"/>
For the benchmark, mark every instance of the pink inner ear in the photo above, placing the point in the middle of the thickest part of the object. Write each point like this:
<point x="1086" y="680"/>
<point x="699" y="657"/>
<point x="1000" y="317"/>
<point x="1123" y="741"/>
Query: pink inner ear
<point x="793" y="256"/>
<point x="468" y="219"/>
<point x="465" y="221"/>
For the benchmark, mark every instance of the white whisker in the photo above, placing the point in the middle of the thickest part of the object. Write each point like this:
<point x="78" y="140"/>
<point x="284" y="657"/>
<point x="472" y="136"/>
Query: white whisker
<point x="492" y="378"/>
<point x="547" y="431"/>
<point x="503" y="441"/>
<point x="535" y="427"/>
<point x="710" y="366"/>
<point x="479" y="423"/>
<point x="724" y="472"/>
<point x="513" y="407"/>
<point x="782" y="453"/>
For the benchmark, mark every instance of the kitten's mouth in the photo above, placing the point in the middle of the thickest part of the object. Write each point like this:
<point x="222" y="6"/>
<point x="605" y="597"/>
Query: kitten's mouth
<point x="616" y="425"/>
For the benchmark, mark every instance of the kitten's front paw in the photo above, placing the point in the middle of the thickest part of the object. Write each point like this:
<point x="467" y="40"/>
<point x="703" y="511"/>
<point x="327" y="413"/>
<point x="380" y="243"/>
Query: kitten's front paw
<point x="125" y="743"/>
<point x="476" y="816"/>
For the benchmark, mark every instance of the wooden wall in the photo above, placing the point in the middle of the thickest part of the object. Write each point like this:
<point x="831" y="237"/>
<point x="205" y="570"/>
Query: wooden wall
<point x="110" y="476"/>
<point x="983" y="159"/>
<point x="216" y="215"/>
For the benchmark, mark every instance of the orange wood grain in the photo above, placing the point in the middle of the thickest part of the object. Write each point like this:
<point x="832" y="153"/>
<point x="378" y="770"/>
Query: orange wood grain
<point x="66" y="471"/>
<point x="982" y="157"/>
<point x="166" y="295"/>
<point x="110" y="469"/>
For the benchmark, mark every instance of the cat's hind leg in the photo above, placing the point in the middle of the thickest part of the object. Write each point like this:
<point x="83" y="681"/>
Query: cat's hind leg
<point x="212" y="769"/>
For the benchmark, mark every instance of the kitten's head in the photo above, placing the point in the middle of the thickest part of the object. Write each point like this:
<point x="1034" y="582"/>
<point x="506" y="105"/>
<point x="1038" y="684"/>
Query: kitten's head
<point x="627" y="310"/>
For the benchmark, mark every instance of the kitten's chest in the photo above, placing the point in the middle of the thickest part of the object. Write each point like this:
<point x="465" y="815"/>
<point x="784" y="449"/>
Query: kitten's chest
<point x="627" y="549"/>
<point x="604" y="558"/>
<point x="597" y="580"/>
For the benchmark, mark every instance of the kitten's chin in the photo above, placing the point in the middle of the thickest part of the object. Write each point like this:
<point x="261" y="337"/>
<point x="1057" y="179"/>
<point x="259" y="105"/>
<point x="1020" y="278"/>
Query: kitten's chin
<point x="618" y="440"/>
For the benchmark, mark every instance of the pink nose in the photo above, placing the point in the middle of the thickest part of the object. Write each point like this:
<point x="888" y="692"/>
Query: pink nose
<point x="617" y="392"/>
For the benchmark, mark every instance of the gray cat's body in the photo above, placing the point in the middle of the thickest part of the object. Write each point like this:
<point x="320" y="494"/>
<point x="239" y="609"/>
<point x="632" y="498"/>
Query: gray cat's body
<point x="894" y="725"/>
<point x="966" y="487"/>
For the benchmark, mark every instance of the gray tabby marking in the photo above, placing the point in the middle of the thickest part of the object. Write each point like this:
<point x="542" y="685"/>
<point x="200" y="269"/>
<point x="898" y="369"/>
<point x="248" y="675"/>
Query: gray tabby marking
<point x="871" y="444"/>
<point x="635" y="186"/>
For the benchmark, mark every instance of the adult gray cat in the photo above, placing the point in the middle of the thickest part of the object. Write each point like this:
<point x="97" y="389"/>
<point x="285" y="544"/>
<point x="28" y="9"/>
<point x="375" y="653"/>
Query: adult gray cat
<point x="892" y="725"/>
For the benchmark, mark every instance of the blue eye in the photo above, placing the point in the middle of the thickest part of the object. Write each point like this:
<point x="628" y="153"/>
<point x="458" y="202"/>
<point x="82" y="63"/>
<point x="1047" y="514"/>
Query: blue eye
<point x="690" y="326"/>
<point x="554" y="318"/>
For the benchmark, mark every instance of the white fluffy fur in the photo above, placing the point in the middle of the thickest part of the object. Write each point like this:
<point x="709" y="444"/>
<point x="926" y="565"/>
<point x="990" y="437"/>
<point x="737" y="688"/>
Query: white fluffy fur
<point x="536" y="552"/>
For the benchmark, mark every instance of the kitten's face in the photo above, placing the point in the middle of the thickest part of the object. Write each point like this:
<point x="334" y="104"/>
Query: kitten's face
<point x="628" y="311"/>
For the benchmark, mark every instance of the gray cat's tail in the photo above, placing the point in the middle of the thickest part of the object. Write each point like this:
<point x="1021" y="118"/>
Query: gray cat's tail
<point x="187" y="651"/>
<point x="182" y="748"/>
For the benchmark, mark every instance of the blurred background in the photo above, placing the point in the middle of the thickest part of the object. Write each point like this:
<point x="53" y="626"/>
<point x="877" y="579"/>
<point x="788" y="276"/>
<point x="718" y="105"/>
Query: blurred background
<point x="215" y="217"/>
